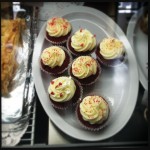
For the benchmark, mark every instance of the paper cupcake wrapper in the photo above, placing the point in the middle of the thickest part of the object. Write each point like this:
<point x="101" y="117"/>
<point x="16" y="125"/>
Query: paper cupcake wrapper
<point x="100" y="126"/>
<point x="70" y="103"/>
<point x="62" y="71"/>
<point x="56" y="43"/>
<point x="112" y="65"/>
<point x="62" y="42"/>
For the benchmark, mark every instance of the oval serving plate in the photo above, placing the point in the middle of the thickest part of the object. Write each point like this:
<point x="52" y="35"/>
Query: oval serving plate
<point x="119" y="84"/>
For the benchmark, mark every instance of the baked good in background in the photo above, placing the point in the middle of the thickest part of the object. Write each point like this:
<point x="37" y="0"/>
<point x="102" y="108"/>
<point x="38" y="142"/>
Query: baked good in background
<point x="55" y="60"/>
<point x="144" y="21"/>
<point x="93" y="112"/>
<point x="64" y="92"/>
<point x="85" y="69"/>
<point x="82" y="42"/>
<point x="110" y="51"/>
<point x="58" y="30"/>
<point x="11" y="39"/>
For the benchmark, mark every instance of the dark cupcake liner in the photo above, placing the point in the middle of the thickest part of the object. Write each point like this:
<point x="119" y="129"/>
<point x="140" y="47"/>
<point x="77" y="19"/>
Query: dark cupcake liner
<point x="57" y="40"/>
<point x="58" y="70"/>
<point x="73" y="101"/>
<point x="89" y="80"/>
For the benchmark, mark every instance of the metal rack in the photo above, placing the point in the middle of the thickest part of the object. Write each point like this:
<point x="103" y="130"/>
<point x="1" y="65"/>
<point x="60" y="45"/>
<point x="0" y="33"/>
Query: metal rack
<point x="28" y="137"/>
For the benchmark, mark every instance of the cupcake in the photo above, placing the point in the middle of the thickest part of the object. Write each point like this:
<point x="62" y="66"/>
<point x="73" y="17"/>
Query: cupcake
<point x="55" y="60"/>
<point x="58" y="30"/>
<point x="110" y="52"/>
<point x="64" y="92"/>
<point x="93" y="112"/>
<point x="82" y="42"/>
<point x="85" y="69"/>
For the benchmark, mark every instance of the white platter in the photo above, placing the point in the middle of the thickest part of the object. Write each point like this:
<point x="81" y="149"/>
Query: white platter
<point x="119" y="84"/>
<point x="139" y="43"/>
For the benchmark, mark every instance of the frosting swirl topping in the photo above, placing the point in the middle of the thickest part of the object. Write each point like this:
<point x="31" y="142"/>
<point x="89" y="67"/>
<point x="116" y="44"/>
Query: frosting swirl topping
<point x="84" y="66"/>
<point x="111" y="48"/>
<point x="94" y="109"/>
<point x="83" y="40"/>
<point x="53" y="56"/>
<point x="57" y="27"/>
<point x="62" y="89"/>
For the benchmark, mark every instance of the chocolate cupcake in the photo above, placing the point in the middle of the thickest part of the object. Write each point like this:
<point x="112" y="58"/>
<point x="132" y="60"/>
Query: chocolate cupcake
<point x="85" y="69"/>
<point x="110" y="52"/>
<point x="55" y="60"/>
<point x="93" y="112"/>
<point x="82" y="42"/>
<point x="58" y="30"/>
<point x="64" y="92"/>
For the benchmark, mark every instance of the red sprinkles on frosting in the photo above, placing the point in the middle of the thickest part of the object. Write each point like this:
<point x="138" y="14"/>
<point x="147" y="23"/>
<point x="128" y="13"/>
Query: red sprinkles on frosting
<point x="76" y="69"/>
<point x="51" y="23"/>
<point x="82" y="44"/>
<point x="52" y="82"/>
<point x="52" y="93"/>
<point x="60" y="83"/>
<point x="88" y="65"/>
<point x="65" y="26"/>
<point x="61" y="94"/>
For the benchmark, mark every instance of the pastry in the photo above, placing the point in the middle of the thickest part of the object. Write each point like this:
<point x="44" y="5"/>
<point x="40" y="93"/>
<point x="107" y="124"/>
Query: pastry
<point x="55" y="60"/>
<point x="144" y="22"/>
<point x="64" y="92"/>
<point x="110" y="51"/>
<point x="85" y="69"/>
<point x="82" y="42"/>
<point x="58" y="30"/>
<point x="10" y="40"/>
<point x="93" y="112"/>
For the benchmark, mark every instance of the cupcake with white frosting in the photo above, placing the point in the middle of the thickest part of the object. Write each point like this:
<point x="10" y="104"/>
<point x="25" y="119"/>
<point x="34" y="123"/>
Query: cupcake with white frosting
<point x="55" y="60"/>
<point x="58" y="30"/>
<point x="85" y="69"/>
<point x="93" y="112"/>
<point x="110" y="51"/>
<point x="64" y="92"/>
<point x="82" y="42"/>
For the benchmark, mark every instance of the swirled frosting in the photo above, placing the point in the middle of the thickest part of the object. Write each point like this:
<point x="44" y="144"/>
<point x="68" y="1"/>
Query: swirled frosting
<point x="84" y="66"/>
<point x="94" y="109"/>
<point x="57" y="27"/>
<point x="62" y="89"/>
<point x="53" y="56"/>
<point x="111" y="48"/>
<point x="83" y="40"/>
